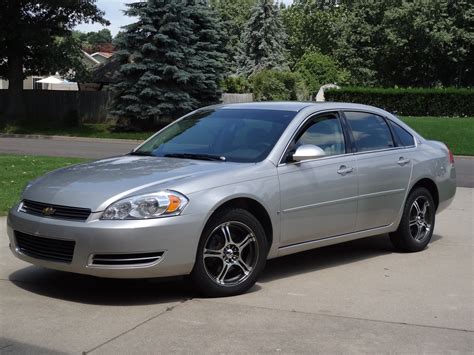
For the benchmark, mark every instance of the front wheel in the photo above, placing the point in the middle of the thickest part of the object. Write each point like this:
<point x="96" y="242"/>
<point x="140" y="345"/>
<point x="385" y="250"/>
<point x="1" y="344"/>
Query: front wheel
<point x="231" y="254"/>
<point x="417" y="224"/>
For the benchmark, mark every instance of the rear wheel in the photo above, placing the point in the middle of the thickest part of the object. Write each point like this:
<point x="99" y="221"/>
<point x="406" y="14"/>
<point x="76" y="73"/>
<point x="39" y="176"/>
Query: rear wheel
<point x="231" y="254"/>
<point x="417" y="224"/>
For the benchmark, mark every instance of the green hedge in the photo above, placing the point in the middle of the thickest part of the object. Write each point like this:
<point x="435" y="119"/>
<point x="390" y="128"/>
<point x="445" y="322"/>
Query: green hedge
<point x="410" y="102"/>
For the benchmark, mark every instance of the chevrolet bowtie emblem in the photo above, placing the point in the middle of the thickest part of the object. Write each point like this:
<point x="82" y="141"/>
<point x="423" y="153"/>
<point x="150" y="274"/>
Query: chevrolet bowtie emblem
<point x="48" y="211"/>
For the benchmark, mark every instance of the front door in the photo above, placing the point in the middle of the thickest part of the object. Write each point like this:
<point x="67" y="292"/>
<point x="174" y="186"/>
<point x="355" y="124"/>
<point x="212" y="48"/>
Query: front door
<point x="318" y="197"/>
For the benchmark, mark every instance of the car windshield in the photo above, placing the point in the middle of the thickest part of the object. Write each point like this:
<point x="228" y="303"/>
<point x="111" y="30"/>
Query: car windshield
<point x="236" y="135"/>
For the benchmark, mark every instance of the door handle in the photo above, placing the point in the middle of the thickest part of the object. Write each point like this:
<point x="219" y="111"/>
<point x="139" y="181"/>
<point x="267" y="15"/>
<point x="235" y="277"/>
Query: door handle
<point x="343" y="170"/>
<point x="402" y="161"/>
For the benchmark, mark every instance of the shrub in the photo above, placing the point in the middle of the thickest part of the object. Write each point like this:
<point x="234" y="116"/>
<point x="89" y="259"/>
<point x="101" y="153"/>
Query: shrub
<point x="318" y="69"/>
<point x="275" y="85"/>
<point x="236" y="85"/>
<point x="413" y="102"/>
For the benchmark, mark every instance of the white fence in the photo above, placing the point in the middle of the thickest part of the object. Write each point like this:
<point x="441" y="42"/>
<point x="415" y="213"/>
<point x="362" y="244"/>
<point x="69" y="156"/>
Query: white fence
<point x="236" y="98"/>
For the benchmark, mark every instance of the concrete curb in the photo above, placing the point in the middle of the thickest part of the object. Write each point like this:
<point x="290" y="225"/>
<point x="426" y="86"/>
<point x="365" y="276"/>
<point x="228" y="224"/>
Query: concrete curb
<point x="69" y="138"/>
<point x="463" y="157"/>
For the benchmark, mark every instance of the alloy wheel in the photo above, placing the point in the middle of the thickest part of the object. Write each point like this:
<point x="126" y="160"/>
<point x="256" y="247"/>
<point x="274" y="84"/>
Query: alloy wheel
<point x="421" y="218"/>
<point x="230" y="253"/>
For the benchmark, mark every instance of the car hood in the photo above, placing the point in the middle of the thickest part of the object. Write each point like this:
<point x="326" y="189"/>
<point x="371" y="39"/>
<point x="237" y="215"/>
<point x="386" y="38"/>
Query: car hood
<point x="97" y="184"/>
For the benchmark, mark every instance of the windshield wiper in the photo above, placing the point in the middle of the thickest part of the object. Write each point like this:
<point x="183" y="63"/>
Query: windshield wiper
<point x="195" y="156"/>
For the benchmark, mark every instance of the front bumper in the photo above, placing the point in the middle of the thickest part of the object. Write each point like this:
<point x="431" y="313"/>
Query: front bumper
<point x="177" y="237"/>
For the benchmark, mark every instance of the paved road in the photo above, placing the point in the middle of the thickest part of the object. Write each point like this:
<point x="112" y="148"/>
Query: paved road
<point x="357" y="297"/>
<point x="92" y="148"/>
<point x="464" y="171"/>
<point x="80" y="148"/>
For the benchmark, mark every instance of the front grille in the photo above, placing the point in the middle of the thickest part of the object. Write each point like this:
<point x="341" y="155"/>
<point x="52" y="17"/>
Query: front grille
<point x="45" y="248"/>
<point x="125" y="259"/>
<point x="54" y="211"/>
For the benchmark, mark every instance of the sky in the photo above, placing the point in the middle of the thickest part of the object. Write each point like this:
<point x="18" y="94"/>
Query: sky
<point x="113" y="12"/>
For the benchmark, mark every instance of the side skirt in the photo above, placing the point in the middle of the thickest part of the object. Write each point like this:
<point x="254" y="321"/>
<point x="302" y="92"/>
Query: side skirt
<point x="296" y="248"/>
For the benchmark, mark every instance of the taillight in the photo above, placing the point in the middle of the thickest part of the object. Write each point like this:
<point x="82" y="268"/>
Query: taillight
<point x="451" y="156"/>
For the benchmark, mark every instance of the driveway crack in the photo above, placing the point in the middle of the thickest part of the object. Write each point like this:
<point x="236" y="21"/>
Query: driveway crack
<point x="168" y="309"/>
<point x="348" y="317"/>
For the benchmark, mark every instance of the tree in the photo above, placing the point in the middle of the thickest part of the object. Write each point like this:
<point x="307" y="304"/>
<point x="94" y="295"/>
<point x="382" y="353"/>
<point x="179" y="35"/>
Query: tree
<point x="278" y="85"/>
<point x="208" y="63"/>
<point x="263" y="40"/>
<point x="94" y="41"/>
<point x="409" y="43"/>
<point x="236" y="84"/>
<point x="436" y="39"/>
<point x="35" y="38"/>
<point x="313" y="24"/>
<point x="388" y="43"/>
<point x="318" y="69"/>
<point x="361" y="40"/>
<point x="234" y="15"/>
<point x="171" y="60"/>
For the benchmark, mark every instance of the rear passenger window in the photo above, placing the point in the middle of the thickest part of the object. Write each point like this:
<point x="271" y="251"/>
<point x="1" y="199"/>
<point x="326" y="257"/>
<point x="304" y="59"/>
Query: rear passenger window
<point x="370" y="131"/>
<point x="405" y="138"/>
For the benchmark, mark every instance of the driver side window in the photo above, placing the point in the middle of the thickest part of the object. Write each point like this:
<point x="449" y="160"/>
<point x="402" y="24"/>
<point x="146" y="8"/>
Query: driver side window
<point x="324" y="132"/>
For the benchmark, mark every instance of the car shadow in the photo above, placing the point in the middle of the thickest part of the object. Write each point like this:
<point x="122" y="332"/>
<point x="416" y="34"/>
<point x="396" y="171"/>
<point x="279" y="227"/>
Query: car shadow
<point x="328" y="257"/>
<point x="101" y="291"/>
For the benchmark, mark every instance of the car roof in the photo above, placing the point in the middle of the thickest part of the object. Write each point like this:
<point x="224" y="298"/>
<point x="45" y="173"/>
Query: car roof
<point x="296" y="106"/>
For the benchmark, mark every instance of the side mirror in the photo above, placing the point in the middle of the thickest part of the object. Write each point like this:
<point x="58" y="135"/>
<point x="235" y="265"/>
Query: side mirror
<point x="308" y="152"/>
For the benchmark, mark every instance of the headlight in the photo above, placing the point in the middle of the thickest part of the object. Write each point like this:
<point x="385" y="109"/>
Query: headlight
<point x="155" y="205"/>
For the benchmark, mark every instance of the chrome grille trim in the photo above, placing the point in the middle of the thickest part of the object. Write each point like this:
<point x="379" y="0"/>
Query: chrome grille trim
<point x="129" y="259"/>
<point x="60" y="212"/>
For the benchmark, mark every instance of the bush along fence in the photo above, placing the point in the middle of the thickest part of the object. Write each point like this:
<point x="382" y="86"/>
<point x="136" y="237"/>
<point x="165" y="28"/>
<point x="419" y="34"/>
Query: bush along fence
<point x="410" y="102"/>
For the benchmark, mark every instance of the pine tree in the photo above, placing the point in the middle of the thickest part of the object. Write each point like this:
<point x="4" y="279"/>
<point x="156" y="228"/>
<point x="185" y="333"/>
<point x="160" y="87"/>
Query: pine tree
<point x="167" y="67"/>
<point x="208" y="64"/>
<point x="263" y="40"/>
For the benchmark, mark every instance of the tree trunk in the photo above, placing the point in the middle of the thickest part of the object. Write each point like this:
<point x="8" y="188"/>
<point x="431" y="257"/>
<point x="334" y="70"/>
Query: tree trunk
<point x="14" y="108"/>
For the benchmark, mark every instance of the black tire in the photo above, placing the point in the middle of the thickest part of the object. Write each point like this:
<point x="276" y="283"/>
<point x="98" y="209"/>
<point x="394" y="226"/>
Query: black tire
<point x="207" y="273"/>
<point x="416" y="228"/>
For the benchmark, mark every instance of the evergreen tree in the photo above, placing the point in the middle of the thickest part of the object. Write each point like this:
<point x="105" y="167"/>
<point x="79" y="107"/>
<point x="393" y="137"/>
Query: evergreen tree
<point x="208" y="64"/>
<point x="234" y="15"/>
<point x="170" y="60"/>
<point x="263" y="40"/>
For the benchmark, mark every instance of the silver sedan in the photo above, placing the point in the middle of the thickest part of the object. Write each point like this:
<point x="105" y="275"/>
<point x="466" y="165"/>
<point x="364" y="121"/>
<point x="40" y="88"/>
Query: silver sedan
<point x="221" y="190"/>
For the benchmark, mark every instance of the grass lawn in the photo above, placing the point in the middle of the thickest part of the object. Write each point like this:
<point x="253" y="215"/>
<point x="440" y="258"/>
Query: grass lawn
<point x="457" y="133"/>
<point x="17" y="170"/>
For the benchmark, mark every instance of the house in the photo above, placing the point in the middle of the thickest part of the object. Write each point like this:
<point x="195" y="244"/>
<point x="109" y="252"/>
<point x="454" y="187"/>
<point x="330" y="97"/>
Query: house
<point x="88" y="60"/>
<point x="101" y="57"/>
<point x="101" y="77"/>
<point x="31" y="82"/>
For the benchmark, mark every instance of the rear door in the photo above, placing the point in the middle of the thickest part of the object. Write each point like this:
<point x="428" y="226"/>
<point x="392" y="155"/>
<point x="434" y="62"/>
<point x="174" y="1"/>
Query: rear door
<point x="383" y="166"/>
<point x="318" y="197"/>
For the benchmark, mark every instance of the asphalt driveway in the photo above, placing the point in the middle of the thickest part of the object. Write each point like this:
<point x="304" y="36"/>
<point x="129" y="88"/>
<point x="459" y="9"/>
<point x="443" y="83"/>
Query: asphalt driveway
<point x="66" y="147"/>
<point x="357" y="297"/>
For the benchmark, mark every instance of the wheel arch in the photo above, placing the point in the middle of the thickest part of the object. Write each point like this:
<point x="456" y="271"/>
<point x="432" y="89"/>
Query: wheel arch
<point x="254" y="207"/>
<point x="430" y="185"/>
